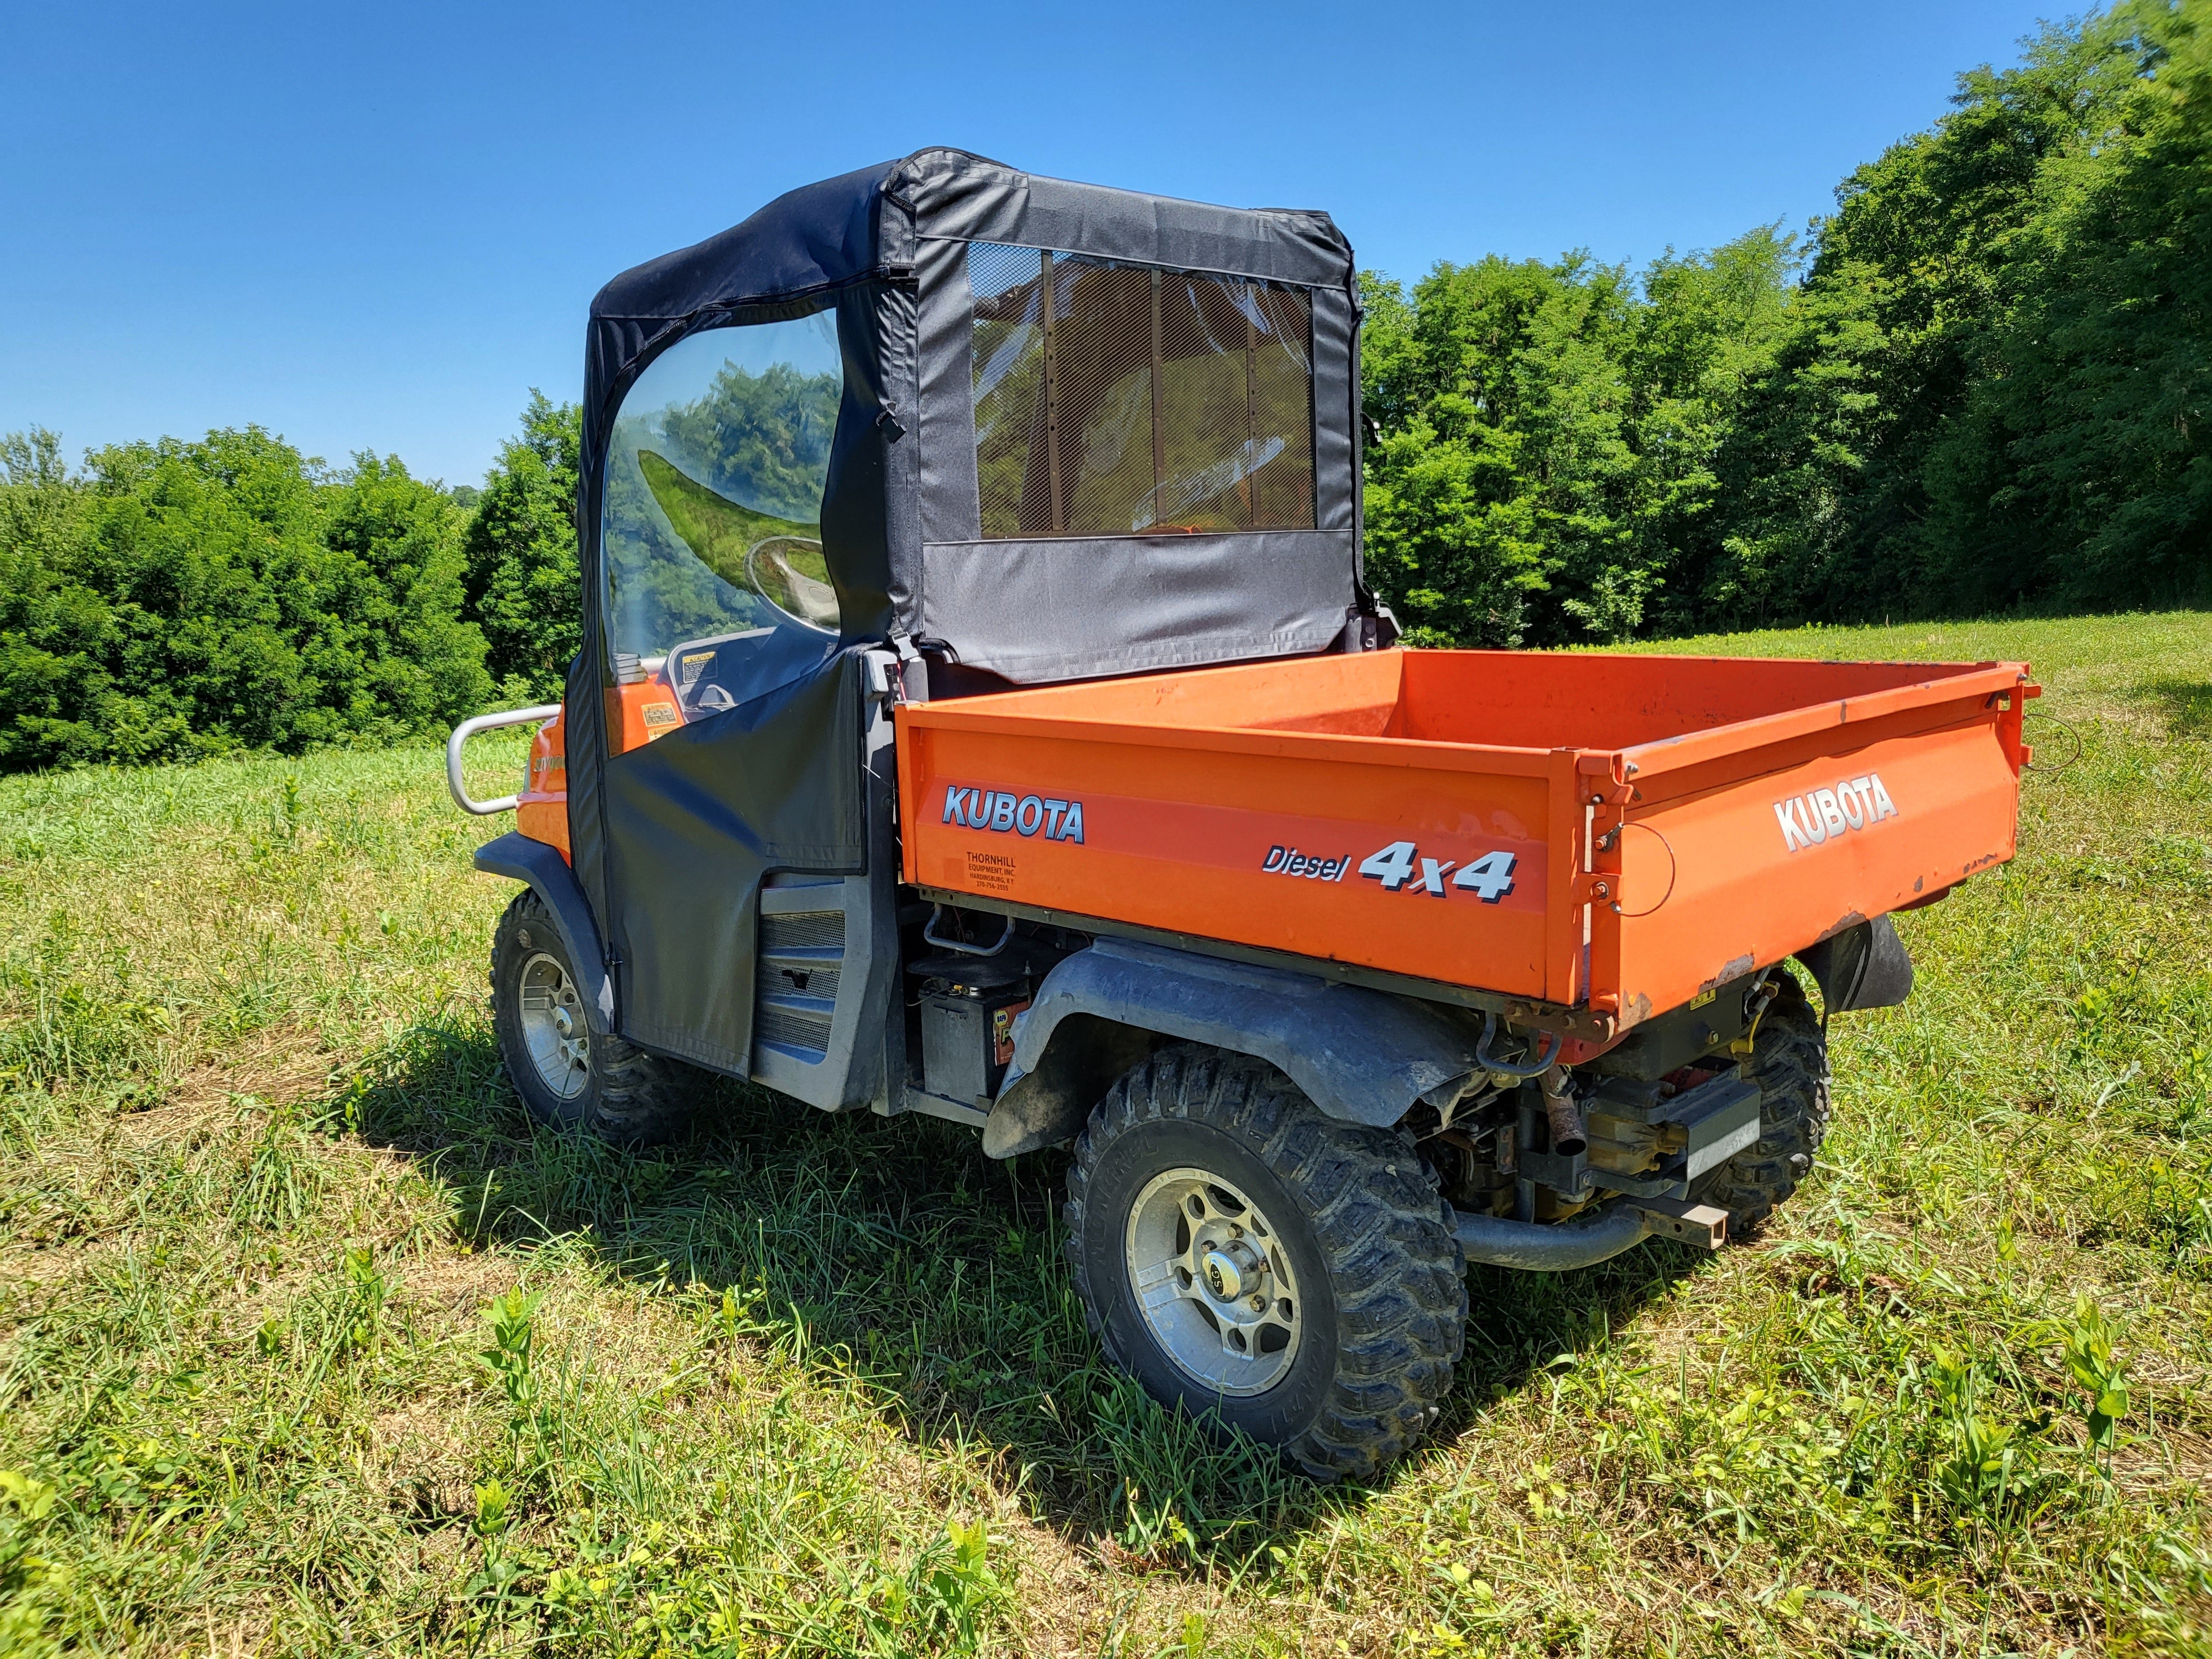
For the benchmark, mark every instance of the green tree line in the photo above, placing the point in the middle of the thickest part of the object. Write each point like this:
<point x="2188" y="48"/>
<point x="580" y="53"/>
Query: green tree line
<point x="1983" y="384"/>
<point x="173" y="600"/>
<point x="1980" y="386"/>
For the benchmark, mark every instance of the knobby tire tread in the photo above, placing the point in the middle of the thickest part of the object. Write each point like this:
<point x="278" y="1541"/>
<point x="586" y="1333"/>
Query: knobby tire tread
<point x="1384" y="1232"/>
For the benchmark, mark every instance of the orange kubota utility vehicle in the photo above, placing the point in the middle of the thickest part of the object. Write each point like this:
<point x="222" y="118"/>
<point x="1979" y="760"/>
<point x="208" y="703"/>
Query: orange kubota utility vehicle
<point x="981" y="713"/>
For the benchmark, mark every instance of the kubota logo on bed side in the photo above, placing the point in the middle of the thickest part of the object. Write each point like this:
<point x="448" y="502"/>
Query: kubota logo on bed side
<point x="1020" y="815"/>
<point x="1809" y="820"/>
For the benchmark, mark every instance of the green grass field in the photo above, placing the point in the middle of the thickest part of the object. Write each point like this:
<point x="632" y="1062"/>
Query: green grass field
<point x="310" y="1343"/>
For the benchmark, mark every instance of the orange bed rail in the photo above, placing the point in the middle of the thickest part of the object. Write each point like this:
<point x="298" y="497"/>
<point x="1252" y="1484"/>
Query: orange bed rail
<point x="1612" y="834"/>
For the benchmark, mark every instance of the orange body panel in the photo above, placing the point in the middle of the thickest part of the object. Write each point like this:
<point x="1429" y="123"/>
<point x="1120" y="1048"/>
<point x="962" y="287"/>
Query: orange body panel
<point x="1613" y="833"/>
<point x="642" y="711"/>
<point x="636" y="714"/>
<point x="541" y="811"/>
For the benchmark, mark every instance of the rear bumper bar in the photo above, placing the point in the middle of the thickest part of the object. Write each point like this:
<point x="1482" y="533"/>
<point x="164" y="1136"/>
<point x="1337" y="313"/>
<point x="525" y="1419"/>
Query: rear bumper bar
<point x="1561" y="1247"/>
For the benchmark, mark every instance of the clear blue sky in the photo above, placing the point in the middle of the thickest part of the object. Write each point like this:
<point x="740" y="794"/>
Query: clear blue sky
<point x="377" y="226"/>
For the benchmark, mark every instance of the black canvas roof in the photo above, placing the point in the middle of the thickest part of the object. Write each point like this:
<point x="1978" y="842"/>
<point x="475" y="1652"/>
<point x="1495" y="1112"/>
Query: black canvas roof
<point x="821" y="236"/>
<point x="886" y="246"/>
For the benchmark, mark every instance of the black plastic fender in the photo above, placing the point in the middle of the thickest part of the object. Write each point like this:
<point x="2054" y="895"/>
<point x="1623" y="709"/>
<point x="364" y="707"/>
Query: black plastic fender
<point x="539" y="864"/>
<point x="1359" y="1055"/>
<point x="1865" y="966"/>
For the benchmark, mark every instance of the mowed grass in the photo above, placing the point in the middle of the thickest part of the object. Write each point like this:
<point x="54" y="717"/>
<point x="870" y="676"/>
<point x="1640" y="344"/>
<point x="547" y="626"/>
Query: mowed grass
<point x="309" y="1342"/>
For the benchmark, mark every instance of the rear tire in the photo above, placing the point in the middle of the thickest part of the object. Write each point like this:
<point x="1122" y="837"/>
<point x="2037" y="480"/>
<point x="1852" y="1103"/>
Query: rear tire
<point x="568" y="1077"/>
<point x="1246" y="1193"/>
<point x="1789" y="1064"/>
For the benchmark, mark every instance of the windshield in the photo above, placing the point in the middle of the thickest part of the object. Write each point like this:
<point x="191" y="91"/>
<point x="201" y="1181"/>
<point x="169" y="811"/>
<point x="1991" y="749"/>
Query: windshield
<point x="716" y="587"/>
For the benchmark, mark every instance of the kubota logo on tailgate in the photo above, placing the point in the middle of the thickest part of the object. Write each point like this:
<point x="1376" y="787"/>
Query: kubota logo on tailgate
<point x="1020" y="815"/>
<point x="1809" y="820"/>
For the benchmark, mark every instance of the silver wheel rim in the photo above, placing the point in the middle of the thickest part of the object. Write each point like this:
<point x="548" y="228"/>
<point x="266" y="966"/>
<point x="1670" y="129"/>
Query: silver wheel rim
<point x="1214" y="1282"/>
<point x="553" y="1027"/>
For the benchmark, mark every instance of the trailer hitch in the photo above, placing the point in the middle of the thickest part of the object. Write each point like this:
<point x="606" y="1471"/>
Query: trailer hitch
<point x="1561" y="1247"/>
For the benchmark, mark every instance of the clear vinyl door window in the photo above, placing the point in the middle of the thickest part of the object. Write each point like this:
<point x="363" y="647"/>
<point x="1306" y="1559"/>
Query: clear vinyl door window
<point x="1116" y="399"/>
<point x="716" y="589"/>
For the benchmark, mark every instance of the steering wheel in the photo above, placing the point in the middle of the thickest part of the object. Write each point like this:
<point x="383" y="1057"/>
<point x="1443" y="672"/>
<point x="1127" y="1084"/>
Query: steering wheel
<point x="770" y="574"/>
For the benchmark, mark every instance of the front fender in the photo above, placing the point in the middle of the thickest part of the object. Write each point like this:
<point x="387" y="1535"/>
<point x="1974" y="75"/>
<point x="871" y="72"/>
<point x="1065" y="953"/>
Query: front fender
<point x="1359" y="1055"/>
<point x="541" y="866"/>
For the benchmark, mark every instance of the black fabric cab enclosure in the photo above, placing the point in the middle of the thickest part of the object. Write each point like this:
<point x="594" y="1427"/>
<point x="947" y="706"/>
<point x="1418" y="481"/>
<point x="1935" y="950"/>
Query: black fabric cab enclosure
<point x="1042" y="430"/>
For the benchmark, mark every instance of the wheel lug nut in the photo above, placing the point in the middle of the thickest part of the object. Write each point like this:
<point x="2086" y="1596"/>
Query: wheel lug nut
<point x="1259" y="1305"/>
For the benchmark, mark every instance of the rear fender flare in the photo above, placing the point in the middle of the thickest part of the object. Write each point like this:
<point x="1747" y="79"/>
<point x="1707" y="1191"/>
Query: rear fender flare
<point x="1359" y="1055"/>
<point x="539" y="864"/>
<point x="1865" y="966"/>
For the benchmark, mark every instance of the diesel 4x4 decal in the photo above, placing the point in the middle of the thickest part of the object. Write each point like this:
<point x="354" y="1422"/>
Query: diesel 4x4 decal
<point x="1289" y="861"/>
<point x="1489" y="878"/>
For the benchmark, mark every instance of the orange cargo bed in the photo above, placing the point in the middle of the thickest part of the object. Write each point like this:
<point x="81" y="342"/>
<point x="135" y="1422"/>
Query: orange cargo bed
<point x="1594" y="838"/>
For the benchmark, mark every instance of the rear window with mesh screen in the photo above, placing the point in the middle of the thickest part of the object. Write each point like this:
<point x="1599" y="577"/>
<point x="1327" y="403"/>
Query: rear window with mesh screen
<point x="1116" y="399"/>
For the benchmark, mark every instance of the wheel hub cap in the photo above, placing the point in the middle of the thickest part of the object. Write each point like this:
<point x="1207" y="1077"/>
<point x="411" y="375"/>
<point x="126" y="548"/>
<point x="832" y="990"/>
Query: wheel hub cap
<point x="552" y="1015"/>
<point x="1221" y="1276"/>
<point x="1213" y="1283"/>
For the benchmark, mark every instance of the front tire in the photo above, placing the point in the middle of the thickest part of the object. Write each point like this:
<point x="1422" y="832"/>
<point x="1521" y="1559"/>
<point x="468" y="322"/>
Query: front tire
<point x="566" y="1077"/>
<point x="1245" y="1256"/>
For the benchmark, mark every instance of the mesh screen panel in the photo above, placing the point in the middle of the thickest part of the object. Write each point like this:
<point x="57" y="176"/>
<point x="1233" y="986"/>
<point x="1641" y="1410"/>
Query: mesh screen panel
<point x="1282" y="409"/>
<point x="1008" y="358"/>
<point x="1137" y="401"/>
<point x="1102" y="394"/>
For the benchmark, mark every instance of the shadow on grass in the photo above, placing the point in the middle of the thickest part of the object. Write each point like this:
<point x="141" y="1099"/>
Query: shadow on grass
<point x="2186" y="705"/>
<point x="894" y="1253"/>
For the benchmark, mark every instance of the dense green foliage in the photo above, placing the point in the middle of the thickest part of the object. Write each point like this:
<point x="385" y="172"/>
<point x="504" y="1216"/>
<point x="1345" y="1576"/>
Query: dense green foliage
<point x="1989" y="389"/>
<point x="1550" y="434"/>
<point x="1979" y="387"/>
<point x="766" y="436"/>
<point x="523" y="582"/>
<point x="180" y="598"/>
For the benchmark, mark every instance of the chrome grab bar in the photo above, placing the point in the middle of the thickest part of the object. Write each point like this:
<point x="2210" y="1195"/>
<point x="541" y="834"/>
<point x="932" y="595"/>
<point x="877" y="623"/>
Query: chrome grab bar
<point x="468" y="729"/>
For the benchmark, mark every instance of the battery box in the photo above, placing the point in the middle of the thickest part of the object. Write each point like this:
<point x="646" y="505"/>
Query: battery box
<point x="967" y="1038"/>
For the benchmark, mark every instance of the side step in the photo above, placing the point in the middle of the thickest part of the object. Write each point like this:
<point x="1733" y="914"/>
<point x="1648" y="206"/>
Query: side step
<point x="1560" y="1247"/>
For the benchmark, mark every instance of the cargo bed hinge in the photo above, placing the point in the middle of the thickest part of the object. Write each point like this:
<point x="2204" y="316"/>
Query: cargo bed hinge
<point x="1605" y="778"/>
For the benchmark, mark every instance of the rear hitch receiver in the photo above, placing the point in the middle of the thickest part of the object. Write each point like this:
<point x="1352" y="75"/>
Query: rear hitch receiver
<point x="1561" y="1247"/>
<point x="1704" y="1226"/>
